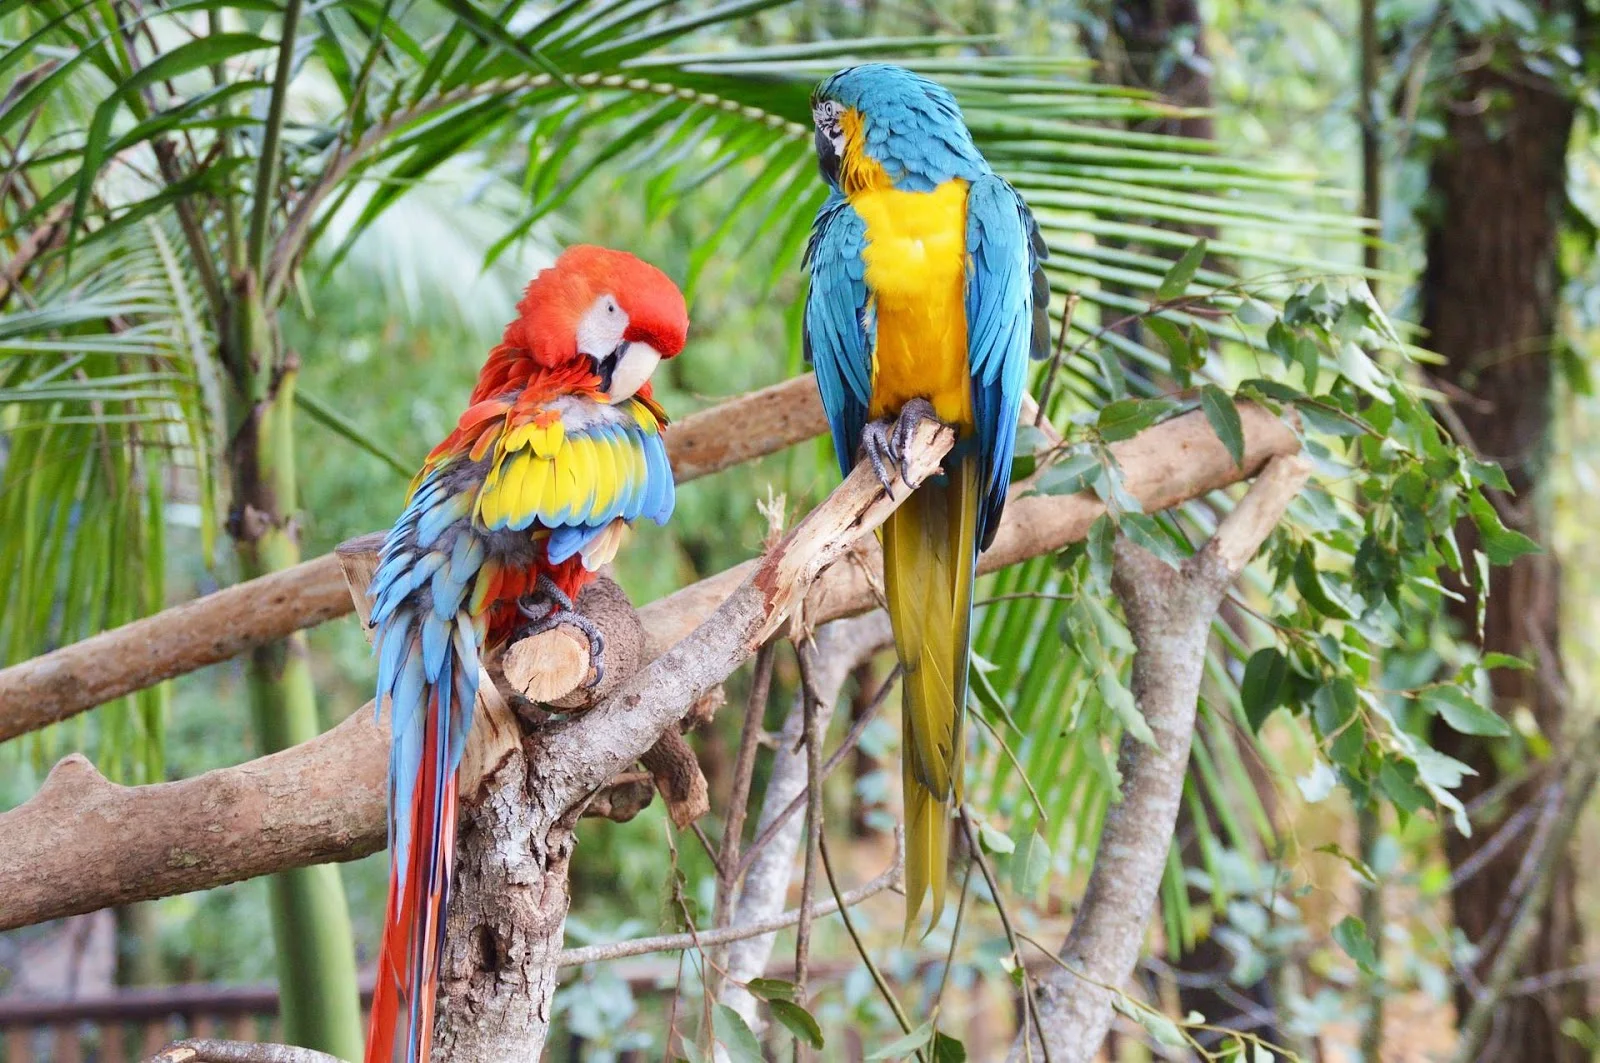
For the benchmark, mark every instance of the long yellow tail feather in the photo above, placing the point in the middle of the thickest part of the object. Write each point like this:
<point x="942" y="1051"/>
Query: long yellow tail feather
<point x="929" y="557"/>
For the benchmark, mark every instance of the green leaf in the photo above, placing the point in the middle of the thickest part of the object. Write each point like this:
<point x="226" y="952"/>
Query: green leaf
<point x="1157" y="1025"/>
<point x="1180" y="358"/>
<point x="1144" y="530"/>
<point x="905" y="1046"/>
<point x="1031" y="865"/>
<point x="947" y="1049"/>
<point x="995" y="840"/>
<point x="1398" y="781"/>
<point x="1502" y="544"/>
<point x="1265" y="683"/>
<point x="1487" y="474"/>
<point x="736" y="1036"/>
<point x="1351" y="934"/>
<point x="1120" y="699"/>
<point x="771" y="989"/>
<point x="1076" y="472"/>
<point x="1102" y="538"/>
<point x="797" y="1020"/>
<point x="1462" y="711"/>
<point x="1505" y="660"/>
<point x="1356" y="865"/>
<point x="1308" y="581"/>
<point x="1224" y="417"/>
<point x="1176" y="282"/>
<point x="1126" y="418"/>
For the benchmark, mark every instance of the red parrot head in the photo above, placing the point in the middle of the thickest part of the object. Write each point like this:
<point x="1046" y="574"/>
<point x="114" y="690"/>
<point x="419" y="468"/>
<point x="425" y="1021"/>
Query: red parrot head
<point x="604" y="309"/>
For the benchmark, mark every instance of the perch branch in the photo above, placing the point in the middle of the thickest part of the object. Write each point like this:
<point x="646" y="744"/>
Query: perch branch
<point x="1169" y="613"/>
<point x="54" y="686"/>
<point x="82" y="843"/>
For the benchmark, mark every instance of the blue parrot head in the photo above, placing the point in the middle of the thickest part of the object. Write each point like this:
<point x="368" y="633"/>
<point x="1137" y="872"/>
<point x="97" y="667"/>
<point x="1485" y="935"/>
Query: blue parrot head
<point x="906" y="124"/>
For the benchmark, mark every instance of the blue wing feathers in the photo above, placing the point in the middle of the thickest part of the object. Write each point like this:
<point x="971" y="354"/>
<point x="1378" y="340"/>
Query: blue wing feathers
<point x="1003" y="327"/>
<point x="838" y="331"/>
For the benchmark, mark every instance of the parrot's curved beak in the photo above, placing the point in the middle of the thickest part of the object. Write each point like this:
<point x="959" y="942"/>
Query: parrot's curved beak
<point x="624" y="371"/>
<point x="827" y="158"/>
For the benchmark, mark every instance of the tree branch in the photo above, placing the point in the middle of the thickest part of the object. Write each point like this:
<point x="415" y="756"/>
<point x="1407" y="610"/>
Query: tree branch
<point x="1169" y="614"/>
<point x="83" y="843"/>
<point x="57" y="685"/>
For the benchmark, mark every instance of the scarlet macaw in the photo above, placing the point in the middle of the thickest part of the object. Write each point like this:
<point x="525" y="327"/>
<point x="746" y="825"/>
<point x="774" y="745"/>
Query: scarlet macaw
<point x="927" y="297"/>
<point x="508" y="520"/>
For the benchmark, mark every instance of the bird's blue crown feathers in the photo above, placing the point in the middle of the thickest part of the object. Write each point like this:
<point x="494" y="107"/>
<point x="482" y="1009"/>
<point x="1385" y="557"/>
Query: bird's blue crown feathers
<point x="912" y="126"/>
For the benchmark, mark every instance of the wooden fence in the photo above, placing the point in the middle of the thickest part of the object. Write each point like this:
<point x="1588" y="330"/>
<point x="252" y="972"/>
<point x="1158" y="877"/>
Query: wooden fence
<point x="132" y="1024"/>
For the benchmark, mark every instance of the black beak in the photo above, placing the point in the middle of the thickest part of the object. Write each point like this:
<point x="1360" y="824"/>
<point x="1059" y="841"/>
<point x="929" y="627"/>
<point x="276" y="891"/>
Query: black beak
<point x="827" y="159"/>
<point x="607" y="366"/>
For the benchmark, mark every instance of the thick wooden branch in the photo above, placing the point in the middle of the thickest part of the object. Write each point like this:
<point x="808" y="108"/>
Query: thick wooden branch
<point x="56" y="685"/>
<point x="1169" y="613"/>
<point x="76" y="848"/>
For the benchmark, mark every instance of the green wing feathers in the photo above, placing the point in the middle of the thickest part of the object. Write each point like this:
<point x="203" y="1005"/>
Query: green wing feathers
<point x="929" y="558"/>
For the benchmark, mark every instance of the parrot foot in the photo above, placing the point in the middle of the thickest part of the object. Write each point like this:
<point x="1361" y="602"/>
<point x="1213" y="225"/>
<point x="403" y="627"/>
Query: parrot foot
<point x="912" y="414"/>
<point x="885" y="442"/>
<point x="875" y="444"/>
<point x="548" y="608"/>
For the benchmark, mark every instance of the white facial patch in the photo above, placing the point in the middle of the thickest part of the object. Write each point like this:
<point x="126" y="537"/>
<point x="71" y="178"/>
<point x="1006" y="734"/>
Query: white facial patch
<point x="827" y="116"/>
<point x="633" y="369"/>
<point x="601" y="329"/>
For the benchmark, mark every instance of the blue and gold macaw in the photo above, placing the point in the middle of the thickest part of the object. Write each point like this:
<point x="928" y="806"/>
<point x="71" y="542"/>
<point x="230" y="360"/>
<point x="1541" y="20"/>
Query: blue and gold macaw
<point x="927" y="298"/>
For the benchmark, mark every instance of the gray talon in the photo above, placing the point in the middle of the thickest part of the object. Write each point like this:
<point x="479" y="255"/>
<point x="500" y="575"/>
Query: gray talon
<point x="912" y="414"/>
<point x="876" y="444"/>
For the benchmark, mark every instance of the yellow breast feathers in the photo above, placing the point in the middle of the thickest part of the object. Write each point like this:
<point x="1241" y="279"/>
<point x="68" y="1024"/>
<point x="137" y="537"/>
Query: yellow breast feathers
<point x="916" y="271"/>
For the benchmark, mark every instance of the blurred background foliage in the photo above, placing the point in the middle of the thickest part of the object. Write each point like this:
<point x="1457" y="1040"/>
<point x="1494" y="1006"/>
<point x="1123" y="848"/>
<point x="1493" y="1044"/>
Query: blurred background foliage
<point x="416" y="271"/>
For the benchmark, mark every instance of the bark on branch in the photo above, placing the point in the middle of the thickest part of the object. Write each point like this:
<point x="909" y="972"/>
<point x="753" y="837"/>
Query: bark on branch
<point x="60" y="684"/>
<point x="1169" y="613"/>
<point x="83" y="843"/>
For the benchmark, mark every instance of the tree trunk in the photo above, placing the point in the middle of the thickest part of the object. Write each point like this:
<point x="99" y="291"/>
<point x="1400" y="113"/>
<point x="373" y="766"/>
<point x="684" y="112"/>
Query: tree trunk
<point x="1490" y="294"/>
<point x="310" y="919"/>
<point x="1159" y="45"/>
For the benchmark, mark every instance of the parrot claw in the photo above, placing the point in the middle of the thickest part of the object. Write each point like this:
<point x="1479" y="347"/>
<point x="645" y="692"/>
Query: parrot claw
<point x="877" y="445"/>
<point x="912" y="414"/>
<point x="550" y="607"/>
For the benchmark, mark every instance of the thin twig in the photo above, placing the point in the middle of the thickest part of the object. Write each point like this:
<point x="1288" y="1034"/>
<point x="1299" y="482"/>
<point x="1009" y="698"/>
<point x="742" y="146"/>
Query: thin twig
<point x="1030" y="1012"/>
<point x="811" y="703"/>
<point x="1055" y="360"/>
<point x="955" y="938"/>
<point x="857" y="729"/>
<point x="744" y="766"/>
<point x="861" y="947"/>
<point x="617" y="950"/>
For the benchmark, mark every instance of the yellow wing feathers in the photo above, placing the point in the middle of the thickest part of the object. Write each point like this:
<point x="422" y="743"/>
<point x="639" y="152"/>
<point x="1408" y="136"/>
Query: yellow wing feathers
<point x="549" y="473"/>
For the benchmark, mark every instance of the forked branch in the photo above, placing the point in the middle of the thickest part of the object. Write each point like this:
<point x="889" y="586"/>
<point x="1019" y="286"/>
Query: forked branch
<point x="1169" y="613"/>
